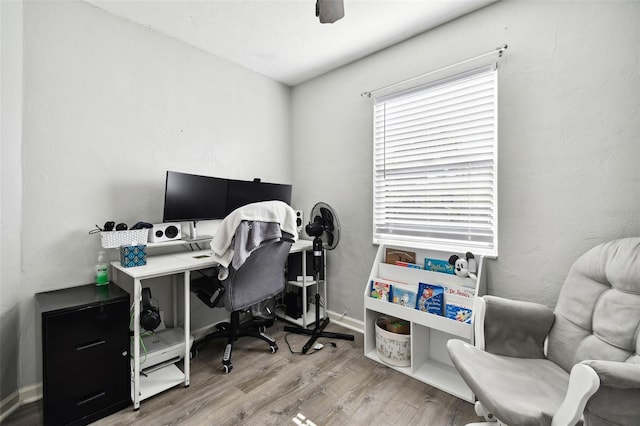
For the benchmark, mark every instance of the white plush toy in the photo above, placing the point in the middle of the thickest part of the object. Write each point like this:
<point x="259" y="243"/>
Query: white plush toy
<point x="464" y="267"/>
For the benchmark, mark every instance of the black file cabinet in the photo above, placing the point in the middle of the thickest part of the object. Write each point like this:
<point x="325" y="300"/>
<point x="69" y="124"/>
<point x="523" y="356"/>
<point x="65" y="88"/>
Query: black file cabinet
<point x="85" y="353"/>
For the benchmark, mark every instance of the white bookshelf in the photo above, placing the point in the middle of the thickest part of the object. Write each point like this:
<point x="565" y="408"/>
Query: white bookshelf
<point x="430" y="361"/>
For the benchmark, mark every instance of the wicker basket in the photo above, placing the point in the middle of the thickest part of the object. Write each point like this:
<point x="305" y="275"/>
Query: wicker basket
<point x="113" y="239"/>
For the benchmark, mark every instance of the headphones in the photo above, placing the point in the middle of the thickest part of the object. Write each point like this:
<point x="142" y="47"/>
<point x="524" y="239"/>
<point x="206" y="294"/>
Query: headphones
<point x="149" y="315"/>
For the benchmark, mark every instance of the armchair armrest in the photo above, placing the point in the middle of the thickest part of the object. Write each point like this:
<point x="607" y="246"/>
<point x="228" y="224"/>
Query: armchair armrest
<point x="621" y="375"/>
<point x="512" y="328"/>
<point x="587" y="378"/>
<point x="583" y="383"/>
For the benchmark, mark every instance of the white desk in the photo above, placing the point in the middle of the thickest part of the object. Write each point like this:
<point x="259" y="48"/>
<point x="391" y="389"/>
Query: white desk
<point x="162" y="265"/>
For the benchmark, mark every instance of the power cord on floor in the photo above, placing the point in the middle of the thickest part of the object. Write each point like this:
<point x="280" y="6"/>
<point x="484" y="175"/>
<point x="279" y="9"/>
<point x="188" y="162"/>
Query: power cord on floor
<point x="316" y="348"/>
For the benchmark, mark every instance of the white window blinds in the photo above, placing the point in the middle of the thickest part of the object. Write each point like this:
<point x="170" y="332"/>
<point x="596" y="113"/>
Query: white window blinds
<point x="435" y="164"/>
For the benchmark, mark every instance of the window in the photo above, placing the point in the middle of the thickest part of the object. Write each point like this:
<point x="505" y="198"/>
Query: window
<point x="435" y="165"/>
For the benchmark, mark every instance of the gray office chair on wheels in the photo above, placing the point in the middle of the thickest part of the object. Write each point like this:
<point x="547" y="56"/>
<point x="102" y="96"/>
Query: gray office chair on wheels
<point x="578" y="363"/>
<point x="252" y="275"/>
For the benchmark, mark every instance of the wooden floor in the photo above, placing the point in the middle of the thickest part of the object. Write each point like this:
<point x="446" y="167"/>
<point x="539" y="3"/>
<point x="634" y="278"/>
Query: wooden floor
<point x="333" y="386"/>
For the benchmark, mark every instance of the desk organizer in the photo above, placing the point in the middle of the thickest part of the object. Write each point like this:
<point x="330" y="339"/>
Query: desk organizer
<point x="113" y="239"/>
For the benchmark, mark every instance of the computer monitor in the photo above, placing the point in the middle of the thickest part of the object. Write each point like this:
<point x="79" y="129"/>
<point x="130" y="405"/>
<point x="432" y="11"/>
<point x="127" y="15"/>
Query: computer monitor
<point x="242" y="192"/>
<point x="192" y="198"/>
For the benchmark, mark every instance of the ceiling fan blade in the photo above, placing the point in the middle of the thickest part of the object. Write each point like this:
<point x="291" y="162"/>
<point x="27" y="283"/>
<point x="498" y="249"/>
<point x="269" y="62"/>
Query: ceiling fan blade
<point x="329" y="11"/>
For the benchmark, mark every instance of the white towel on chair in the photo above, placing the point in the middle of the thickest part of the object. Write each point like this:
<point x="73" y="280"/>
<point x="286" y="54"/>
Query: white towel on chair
<point x="264" y="211"/>
<point x="251" y="235"/>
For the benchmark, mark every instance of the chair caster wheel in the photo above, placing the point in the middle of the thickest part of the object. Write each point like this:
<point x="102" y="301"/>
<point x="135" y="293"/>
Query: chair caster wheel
<point x="194" y="352"/>
<point x="227" y="368"/>
<point x="274" y="348"/>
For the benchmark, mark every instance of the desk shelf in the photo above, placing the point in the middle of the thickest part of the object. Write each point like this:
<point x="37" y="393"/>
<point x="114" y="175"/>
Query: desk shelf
<point x="154" y="382"/>
<point x="308" y="317"/>
<point x="297" y="265"/>
<point x="206" y="239"/>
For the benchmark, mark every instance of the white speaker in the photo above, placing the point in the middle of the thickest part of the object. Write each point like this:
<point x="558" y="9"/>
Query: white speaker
<point x="165" y="232"/>
<point x="299" y="221"/>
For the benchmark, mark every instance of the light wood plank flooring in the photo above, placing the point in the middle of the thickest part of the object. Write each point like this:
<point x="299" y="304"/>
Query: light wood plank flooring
<point x="334" y="386"/>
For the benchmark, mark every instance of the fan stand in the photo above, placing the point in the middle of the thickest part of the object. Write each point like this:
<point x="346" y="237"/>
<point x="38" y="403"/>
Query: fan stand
<point x="318" y="330"/>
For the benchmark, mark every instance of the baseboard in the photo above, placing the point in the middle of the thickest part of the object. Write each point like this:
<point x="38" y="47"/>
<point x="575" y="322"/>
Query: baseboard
<point x="345" y="321"/>
<point x="31" y="393"/>
<point x="9" y="405"/>
<point x="199" y="333"/>
<point x="25" y="395"/>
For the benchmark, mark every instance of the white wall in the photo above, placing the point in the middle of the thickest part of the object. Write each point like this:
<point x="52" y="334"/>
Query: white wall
<point x="109" y="106"/>
<point x="10" y="194"/>
<point x="569" y="96"/>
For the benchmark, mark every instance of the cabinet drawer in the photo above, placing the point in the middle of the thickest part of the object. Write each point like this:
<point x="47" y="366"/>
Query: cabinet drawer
<point x="85" y="361"/>
<point x="84" y="330"/>
<point x="73" y="402"/>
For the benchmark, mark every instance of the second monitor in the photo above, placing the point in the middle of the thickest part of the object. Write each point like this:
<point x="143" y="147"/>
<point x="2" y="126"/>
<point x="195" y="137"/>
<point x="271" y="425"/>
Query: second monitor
<point x="191" y="198"/>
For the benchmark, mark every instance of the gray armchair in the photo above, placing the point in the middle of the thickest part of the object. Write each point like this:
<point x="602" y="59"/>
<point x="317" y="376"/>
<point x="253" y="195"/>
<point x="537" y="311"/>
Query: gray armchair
<point x="578" y="363"/>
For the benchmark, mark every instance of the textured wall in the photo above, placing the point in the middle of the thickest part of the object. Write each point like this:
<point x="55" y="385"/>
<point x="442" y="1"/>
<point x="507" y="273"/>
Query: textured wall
<point x="109" y="107"/>
<point x="569" y="138"/>
<point x="10" y="194"/>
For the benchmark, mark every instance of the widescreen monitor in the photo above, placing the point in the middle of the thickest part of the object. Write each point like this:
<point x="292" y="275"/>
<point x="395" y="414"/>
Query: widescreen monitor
<point x="243" y="192"/>
<point x="192" y="197"/>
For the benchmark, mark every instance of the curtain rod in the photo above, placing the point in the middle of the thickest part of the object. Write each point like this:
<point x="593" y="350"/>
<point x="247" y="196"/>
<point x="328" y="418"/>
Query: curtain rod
<point x="499" y="50"/>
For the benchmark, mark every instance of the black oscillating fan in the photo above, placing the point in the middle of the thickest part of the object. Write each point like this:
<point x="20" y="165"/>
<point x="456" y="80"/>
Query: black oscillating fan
<point x="325" y="230"/>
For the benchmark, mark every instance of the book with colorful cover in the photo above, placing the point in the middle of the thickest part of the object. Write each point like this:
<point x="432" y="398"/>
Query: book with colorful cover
<point x="439" y="265"/>
<point x="408" y="265"/>
<point x="404" y="296"/>
<point x="381" y="290"/>
<point x="430" y="298"/>
<point x="393" y="255"/>
<point x="458" y="312"/>
<point x="465" y="293"/>
<point x="458" y="307"/>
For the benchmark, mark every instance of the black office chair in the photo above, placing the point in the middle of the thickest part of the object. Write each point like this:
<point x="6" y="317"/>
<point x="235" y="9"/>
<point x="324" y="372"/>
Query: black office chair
<point x="246" y="289"/>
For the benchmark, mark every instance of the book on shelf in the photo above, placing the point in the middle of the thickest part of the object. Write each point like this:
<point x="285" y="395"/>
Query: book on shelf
<point x="439" y="265"/>
<point x="457" y="291"/>
<point x="381" y="290"/>
<point x="408" y="265"/>
<point x="458" y="308"/>
<point x="430" y="298"/>
<point x="458" y="312"/>
<point x="404" y="295"/>
<point x="393" y="255"/>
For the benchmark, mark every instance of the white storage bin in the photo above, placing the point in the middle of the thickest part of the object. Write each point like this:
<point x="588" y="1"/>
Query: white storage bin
<point x="393" y="348"/>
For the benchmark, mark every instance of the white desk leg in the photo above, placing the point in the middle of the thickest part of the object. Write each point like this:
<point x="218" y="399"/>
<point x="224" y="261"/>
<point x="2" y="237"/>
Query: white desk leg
<point x="174" y="288"/>
<point x="187" y="326"/>
<point x="137" y="297"/>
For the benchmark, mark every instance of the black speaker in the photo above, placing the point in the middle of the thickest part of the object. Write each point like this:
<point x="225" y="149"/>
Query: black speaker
<point x="293" y="304"/>
<point x="149" y="315"/>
